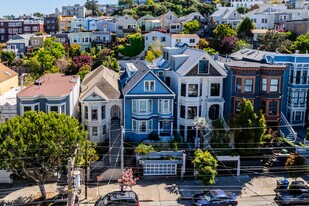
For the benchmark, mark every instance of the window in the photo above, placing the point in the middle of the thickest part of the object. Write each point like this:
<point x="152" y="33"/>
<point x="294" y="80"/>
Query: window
<point x="94" y="131"/>
<point x="165" y="106"/>
<point x="103" y="112"/>
<point x="291" y="76"/>
<point x="178" y="40"/>
<point x="27" y="108"/>
<point x="203" y="67"/>
<point x="149" y="85"/>
<point x="183" y="90"/>
<point x="302" y="95"/>
<point x="192" y="40"/>
<point x="274" y="85"/>
<point x="201" y="91"/>
<point x="264" y="85"/>
<point x="237" y="106"/>
<point x="192" y="112"/>
<point x="297" y="116"/>
<point x="154" y="38"/>
<point x="142" y="106"/>
<point x="163" y="39"/>
<point x="272" y="110"/>
<point x="215" y="89"/>
<point x="161" y="73"/>
<point x="56" y="108"/>
<point x="94" y="114"/>
<point x="182" y="111"/>
<point x="193" y="90"/>
<point x="248" y="85"/>
<point x="104" y="130"/>
<point x="297" y="79"/>
<point x="86" y="112"/>
<point x="305" y="73"/>
<point x="141" y="126"/>
<point x="238" y="84"/>
<point x="53" y="108"/>
<point x="171" y="17"/>
<point x="289" y="96"/>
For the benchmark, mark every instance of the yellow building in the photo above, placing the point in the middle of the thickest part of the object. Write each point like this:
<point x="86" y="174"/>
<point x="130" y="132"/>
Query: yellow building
<point x="64" y="23"/>
<point x="8" y="79"/>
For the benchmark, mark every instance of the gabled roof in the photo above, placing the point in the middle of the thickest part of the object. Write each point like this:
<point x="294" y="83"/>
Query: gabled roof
<point x="6" y="73"/>
<point x="104" y="79"/>
<point x="143" y="70"/>
<point x="185" y="36"/>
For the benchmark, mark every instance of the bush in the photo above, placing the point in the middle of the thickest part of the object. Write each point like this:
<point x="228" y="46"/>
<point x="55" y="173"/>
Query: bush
<point x="143" y="149"/>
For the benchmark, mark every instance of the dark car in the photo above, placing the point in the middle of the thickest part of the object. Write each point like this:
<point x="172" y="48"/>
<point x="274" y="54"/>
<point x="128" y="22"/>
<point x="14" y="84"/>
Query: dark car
<point x="118" y="198"/>
<point x="62" y="199"/>
<point x="292" y="199"/>
<point x="215" y="198"/>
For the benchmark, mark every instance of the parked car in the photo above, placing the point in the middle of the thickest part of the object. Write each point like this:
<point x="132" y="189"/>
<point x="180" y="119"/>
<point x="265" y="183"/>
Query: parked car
<point x="215" y="197"/>
<point x="292" y="199"/>
<point x="61" y="199"/>
<point x="118" y="198"/>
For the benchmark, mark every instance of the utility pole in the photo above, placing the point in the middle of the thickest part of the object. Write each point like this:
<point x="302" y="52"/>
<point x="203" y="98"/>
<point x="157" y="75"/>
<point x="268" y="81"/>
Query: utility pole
<point x="70" y="177"/>
<point x="122" y="149"/>
<point x="86" y="173"/>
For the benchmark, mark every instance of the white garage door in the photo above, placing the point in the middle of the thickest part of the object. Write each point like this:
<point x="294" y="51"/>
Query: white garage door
<point x="160" y="169"/>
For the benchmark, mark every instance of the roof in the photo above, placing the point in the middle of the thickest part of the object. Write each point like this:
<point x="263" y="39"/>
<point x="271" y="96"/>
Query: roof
<point x="185" y="36"/>
<point x="53" y="85"/>
<point x="106" y="80"/>
<point x="194" y="55"/>
<point x="249" y="54"/>
<point x="142" y="69"/>
<point x="6" y="73"/>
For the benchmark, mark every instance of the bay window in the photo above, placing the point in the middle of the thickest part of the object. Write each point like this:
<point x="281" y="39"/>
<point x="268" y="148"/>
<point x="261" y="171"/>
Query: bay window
<point x="272" y="109"/>
<point x="142" y="106"/>
<point x="238" y="84"/>
<point x="215" y="89"/>
<point x="141" y="126"/>
<point x="248" y="85"/>
<point x="183" y="90"/>
<point x="86" y="112"/>
<point x="274" y="85"/>
<point x="94" y="131"/>
<point x="32" y="107"/>
<point x="182" y="111"/>
<point x="264" y="85"/>
<point x="192" y="112"/>
<point x="193" y="90"/>
<point x="103" y="112"/>
<point x="94" y="113"/>
<point x="59" y="108"/>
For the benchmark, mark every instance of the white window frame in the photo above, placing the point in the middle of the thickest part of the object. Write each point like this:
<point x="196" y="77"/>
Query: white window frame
<point x="160" y="169"/>
<point x="162" y="109"/>
<point x="59" y="108"/>
<point x="271" y="86"/>
<point x="136" y="106"/>
<point x="149" y="86"/>
<point x="137" y="128"/>
<point x="92" y="132"/>
<point x="29" y="105"/>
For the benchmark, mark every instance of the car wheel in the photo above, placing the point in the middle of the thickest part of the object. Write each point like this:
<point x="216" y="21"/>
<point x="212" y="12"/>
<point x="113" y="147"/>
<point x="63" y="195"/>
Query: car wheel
<point x="229" y="205"/>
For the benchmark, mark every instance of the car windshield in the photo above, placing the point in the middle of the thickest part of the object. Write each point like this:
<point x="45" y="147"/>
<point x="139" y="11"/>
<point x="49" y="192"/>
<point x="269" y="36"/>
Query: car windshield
<point x="207" y="196"/>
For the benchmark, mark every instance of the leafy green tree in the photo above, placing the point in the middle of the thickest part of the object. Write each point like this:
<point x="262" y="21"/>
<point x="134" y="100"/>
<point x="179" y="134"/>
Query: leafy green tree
<point x="35" y="66"/>
<point x="203" y="43"/>
<point x="273" y="40"/>
<point x="46" y="59"/>
<point x="92" y="5"/>
<point x="242" y="10"/>
<point x="210" y="51"/>
<point x="219" y="137"/>
<point x="135" y="47"/>
<point x="74" y="50"/>
<point x="111" y="63"/>
<point x="154" y="51"/>
<point x="83" y="71"/>
<point x="38" y="145"/>
<point x="56" y="49"/>
<point x="244" y="28"/>
<point x="296" y="166"/>
<point x="144" y="149"/>
<point x="302" y="43"/>
<point x="8" y="56"/>
<point x="206" y="165"/>
<point x="191" y="27"/>
<point x="223" y="30"/>
<point x="252" y="127"/>
<point x="38" y="14"/>
<point x="241" y="44"/>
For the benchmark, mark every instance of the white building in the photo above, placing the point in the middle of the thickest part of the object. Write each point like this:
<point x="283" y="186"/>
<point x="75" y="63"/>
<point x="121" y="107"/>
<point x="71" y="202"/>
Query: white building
<point x="227" y="15"/>
<point x="245" y="3"/>
<point x="190" y="39"/>
<point x="101" y="105"/>
<point x="8" y="107"/>
<point x="155" y="37"/>
<point x="76" y="10"/>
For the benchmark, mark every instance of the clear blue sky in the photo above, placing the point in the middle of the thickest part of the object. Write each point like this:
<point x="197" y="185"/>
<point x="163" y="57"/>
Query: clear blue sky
<point x="20" y="7"/>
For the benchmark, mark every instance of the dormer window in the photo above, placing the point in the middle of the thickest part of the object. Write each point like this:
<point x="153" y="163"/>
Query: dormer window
<point x="203" y="67"/>
<point x="234" y="15"/>
<point x="171" y="16"/>
<point x="149" y="86"/>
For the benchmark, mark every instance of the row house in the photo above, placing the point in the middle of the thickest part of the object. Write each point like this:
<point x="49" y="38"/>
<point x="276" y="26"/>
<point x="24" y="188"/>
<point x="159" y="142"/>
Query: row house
<point x="51" y="24"/>
<point x="51" y="93"/>
<point x="19" y="44"/>
<point x="148" y="104"/>
<point x="126" y="25"/>
<point x="76" y="10"/>
<point x="245" y="3"/>
<point x="65" y="23"/>
<point x="101" y="103"/>
<point x="227" y="15"/>
<point x="149" y="23"/>
<point x="261" y="83"/>
<point x="197" y="81"/>
<point x="10" y="28"/>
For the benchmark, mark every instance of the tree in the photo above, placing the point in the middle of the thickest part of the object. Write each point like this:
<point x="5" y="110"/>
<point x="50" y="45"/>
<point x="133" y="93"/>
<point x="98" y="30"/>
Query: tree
<point x="83" y="71"/>
<point x="206" y="165"/>
<point x="8" y="56"/>
<point x="210" y="51"/>
<point x="203" y="43"/>
<point x="35" y="67"/>
<point x="111" y="63"/>
<point x="223" y="30"/>
<point x="241" y="44"/>
<point x="38" y="14"/>
<point x="191" y="27"/>
<point x="219" y="137"/>
<point x="244" y="28"/>
<point x="92" y="5"/>
<point x="127" y="179"/>
<point x="38" y="145"/>
<point x="135" y="47"/>
<point x="56" y="49"/>
<point x="296" y="166"/>
<point x="302" y="43"/>
<point x="154" y="51"/>
<point x="74" y="50"/>
<point x="273" y="41"/>
<point x="80" y="61"/>
<point x="46" y="59"/>
<point x="242" y="10"/>
<point x="252" y="127"/>
<point x="228" y="44"/>
<point x="144" y="149"/>
<point x="125" y="3"/>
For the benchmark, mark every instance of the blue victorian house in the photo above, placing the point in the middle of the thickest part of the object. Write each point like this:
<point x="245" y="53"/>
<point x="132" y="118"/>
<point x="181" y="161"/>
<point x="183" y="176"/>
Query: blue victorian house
<point x="148" y="104"/>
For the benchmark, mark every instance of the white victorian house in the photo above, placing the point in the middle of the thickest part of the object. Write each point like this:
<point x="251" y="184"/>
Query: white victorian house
<point x="101" y="103"/>
<point x="197" y="81"/>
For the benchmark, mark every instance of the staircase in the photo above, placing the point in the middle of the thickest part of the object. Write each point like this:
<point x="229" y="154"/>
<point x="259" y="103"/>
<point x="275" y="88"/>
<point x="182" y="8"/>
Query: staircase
<point x="286" y="130"/>
<point x="115" y="143"/>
